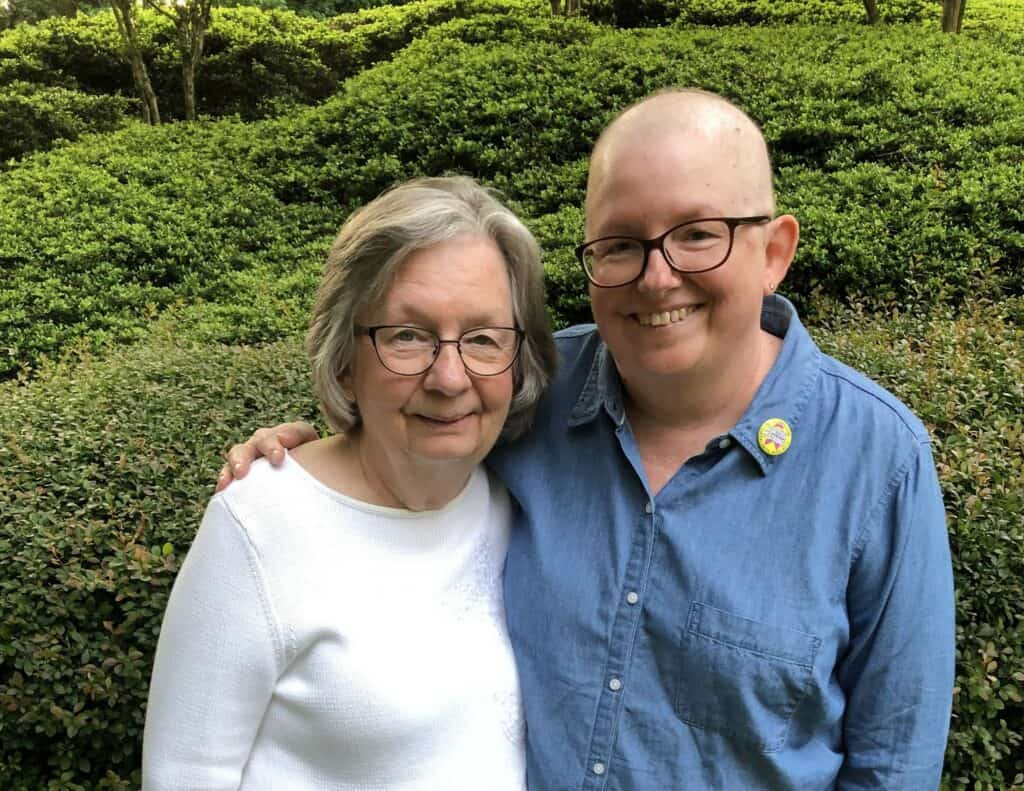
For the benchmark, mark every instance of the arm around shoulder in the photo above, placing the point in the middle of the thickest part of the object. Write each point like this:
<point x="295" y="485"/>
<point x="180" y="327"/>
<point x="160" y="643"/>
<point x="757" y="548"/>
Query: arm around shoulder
<point x="898" y="671"/>
<point x="216" y="663"/>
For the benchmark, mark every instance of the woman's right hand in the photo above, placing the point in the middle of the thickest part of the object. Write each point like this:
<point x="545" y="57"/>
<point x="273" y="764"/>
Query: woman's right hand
<point x="269" y="442"/>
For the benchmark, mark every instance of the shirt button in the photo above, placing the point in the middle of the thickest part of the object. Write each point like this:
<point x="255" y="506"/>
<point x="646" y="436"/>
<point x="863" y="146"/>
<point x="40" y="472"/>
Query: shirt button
<point x="649" y="508"/>
<point x="614" y="684"/>
<point x="724" y="443"/>
<point x="598" y="768"/>
<point x="632" y="597"/>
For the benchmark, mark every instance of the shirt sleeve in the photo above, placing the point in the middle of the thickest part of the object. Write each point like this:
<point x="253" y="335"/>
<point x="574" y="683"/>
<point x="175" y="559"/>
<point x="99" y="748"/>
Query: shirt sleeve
<point x="898" y="672"/>
<point x="216" y="664"/>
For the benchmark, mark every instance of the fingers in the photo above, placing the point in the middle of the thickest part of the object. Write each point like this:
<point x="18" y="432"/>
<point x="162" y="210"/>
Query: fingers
<point x="291" y="435"/>
<point x="265" y="442"/>
<point x="223" y="478"/>
<point x="269" y="442"/>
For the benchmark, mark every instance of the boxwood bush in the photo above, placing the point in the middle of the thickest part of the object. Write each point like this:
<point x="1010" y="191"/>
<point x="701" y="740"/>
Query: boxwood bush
<point x="718" y="13"/>
<point x="964" y="376"/>
<point x="910" y="186"/>
<point x="34" y="116"/>
<point x="257" y="62"/>
<point x="105" y="475"/>
<point x="107" y="465"/>
<point x="125" y="227"/>
<point x="909" y="183"/>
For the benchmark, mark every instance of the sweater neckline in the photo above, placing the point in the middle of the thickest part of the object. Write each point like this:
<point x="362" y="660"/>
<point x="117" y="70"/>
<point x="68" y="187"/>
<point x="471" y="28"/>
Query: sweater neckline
<point x="476" y="479"/>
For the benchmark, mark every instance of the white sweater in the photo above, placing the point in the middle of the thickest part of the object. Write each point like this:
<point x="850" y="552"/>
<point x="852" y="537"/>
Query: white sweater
<point x="313" y="641"/>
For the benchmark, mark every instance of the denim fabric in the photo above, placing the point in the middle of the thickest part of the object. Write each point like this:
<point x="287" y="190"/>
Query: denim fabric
<point x="766" y="621"/>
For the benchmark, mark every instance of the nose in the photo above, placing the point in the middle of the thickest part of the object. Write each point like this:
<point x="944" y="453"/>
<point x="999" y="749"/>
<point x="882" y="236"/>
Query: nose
<point x="448" y="375"/>
<point x="657" y="275"/>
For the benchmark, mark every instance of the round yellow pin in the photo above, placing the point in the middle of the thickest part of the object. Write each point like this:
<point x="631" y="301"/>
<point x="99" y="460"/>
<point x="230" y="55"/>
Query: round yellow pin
<point x="774" y="436"/>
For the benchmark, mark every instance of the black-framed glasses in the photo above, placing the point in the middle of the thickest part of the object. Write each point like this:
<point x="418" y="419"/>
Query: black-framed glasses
<point x="691" y="247"/>
<point x="410" y="351"/>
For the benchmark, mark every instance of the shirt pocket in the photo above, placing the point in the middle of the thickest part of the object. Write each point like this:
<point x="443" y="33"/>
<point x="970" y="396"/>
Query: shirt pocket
<point x="741" y="677"/>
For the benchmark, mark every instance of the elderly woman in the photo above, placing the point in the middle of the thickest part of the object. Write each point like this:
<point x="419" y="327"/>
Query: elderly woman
<point x="338" y="622"/>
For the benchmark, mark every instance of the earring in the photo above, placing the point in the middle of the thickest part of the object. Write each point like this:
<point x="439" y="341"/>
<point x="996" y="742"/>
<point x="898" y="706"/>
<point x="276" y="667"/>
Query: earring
<point x="771" y="287"/>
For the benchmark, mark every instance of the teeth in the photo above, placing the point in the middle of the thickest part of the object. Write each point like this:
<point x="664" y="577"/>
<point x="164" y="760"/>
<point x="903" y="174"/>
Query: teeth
<point x="664" y="317"/>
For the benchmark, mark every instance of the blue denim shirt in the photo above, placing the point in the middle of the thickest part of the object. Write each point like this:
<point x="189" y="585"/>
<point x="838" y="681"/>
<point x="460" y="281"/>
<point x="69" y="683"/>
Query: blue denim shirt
<point x="769" y="620"/>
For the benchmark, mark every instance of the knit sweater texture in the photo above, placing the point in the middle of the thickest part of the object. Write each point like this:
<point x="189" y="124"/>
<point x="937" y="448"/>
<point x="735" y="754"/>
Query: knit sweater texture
<point x="313" y="641"/>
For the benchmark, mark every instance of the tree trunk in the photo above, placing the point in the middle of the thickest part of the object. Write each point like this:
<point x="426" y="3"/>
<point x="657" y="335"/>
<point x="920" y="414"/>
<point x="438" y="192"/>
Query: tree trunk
<point x="871" y="7"/>
<point x="188" y="87"/>
<point x="960" y="16"/>
<point x="952" y="15"/>
<point x="191" y="20"/>
<point x="124" y="12"/>
<point x="556" y="6"/>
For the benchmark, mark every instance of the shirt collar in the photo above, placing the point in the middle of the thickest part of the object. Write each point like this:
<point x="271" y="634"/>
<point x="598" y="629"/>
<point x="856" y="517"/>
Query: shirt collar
<point x="782" y="395"/>
<point x="602" y="388"/>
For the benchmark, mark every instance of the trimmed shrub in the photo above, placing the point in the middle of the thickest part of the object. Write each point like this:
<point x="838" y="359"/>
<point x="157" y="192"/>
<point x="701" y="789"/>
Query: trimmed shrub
<point x="80" y="52"/>
<point x="106" y="471"/>
<point x="257" y="63"/>
<point x="910" y="187"/>
<point x="37" y="116"/>
<point x="964" y="376"/>
<point x="218" y="217"/>
<point x="722" y="13"/>
<point x="909" y="184"/>
<point x="149" y="218"/>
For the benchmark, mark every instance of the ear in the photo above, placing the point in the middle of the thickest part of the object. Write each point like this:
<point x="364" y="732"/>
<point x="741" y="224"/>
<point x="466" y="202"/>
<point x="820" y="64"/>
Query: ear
<point x="780" y="247"/>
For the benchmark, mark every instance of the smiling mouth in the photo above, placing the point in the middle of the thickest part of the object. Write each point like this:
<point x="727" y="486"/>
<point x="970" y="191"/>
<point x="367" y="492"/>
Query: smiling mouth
<point x="443" y="421"/>
<point x="665" y="317"/>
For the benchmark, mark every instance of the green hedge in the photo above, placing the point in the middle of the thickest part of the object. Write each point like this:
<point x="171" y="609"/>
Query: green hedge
<point x="36" y="116"/>
<point x="909" y="184"/>
<point x="107" y="465"/>
<point x="909" y="181"/>
<point x="721" y="13"/>
<point x="964" y="376"/>
<point x="256" y="64"/>
<point x="98" y="238"/>
<point x="105" y="475"/>
<point x="123" y="228"/>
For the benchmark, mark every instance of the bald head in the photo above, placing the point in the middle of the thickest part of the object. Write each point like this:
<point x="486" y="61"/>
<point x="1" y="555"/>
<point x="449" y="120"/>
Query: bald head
<point x="708" y="126"/>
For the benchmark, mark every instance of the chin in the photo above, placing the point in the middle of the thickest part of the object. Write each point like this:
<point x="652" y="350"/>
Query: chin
<point x="666" y="362"/>
<point x="450" y="451"/>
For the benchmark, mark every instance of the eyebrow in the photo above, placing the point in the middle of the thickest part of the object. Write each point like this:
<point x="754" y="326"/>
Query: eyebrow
<point x="629" y="228"/>
<point x="411" y="314"/>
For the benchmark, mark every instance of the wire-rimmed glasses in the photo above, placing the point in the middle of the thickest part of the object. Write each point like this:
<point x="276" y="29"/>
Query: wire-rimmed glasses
<point x="410" y="351"/>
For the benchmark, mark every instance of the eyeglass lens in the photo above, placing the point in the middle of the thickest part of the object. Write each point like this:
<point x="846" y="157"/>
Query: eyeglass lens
<point x="411" y="350"/>
<point x="691" y="247"/>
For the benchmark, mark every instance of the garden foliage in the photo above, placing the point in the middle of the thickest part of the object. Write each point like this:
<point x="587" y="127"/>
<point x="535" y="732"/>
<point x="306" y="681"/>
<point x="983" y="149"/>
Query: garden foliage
<point x="722" y="13"/>
<point x="34" y="116"/>
<point x="909" y="185"/>
<point x="900" y="150"/>
<point x="256" y="63"/>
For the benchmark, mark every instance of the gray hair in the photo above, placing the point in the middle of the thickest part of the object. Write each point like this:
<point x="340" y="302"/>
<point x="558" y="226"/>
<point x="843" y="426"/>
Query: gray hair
<point x="375" y="241"/>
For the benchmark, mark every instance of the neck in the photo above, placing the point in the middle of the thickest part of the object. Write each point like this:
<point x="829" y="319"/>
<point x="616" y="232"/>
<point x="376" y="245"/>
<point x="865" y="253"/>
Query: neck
<point x="402" y="482"/>
<point x="697" y="403"/>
